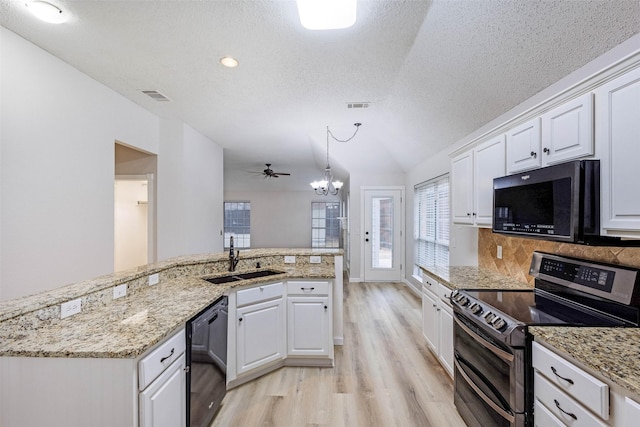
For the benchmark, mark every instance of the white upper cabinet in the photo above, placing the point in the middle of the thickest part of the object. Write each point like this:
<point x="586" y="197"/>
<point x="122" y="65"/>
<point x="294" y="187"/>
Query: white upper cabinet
<point x="489" y="163"/>
<point x="523" y="147"/>
<point x="567" y="131"/>
<point x="562" y="134"/>
<point x="472" y="182"/>
<point x="462" y="188"/>
<point x="618" y="147"/>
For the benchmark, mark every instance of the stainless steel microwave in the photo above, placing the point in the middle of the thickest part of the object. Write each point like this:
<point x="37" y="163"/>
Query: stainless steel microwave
<point x="560" y="202"/>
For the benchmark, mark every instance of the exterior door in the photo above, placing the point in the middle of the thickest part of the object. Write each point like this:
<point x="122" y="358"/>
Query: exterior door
<point x="382" y="235"/>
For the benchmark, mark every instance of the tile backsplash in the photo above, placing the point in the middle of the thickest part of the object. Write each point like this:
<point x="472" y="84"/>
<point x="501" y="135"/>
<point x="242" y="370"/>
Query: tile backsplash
<point x="517" y="251"/>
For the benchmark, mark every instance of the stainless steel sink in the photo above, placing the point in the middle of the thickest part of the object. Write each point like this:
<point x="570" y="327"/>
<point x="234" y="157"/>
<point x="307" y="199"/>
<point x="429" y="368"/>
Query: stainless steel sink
<point x="233" y="277"/>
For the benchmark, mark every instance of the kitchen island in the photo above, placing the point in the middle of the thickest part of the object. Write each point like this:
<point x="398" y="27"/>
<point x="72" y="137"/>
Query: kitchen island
<point x="87" y="364"/>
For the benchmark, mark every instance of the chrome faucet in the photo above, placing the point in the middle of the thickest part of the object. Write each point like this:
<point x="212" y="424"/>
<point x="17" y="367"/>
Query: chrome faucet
<point x="233" y="258"/>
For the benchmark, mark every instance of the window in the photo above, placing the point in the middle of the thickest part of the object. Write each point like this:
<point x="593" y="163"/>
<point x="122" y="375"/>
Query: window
<point x="237" y="223"/>
<point x="325" y="224"/>
<point x="431" y="222"/>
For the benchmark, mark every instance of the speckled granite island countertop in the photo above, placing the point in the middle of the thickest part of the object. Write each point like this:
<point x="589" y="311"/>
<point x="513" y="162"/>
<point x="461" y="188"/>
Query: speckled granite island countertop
<point x="612" y="353"/>
<point x="469" y="277"/>
<point x="127" y="327"/>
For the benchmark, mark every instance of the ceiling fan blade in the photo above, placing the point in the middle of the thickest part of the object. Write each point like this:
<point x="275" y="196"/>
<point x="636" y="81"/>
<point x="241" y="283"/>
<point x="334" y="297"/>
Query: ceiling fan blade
<point x="281" y="173"/>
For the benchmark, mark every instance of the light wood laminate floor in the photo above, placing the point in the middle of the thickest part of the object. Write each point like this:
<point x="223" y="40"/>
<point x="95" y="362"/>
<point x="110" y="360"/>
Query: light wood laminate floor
<point x="384" y="374"/>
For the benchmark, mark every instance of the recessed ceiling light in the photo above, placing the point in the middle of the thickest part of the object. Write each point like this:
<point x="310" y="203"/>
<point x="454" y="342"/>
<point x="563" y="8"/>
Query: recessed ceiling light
<point x="229" y="62"/>
<point x="327" y="14"/>
<point x="46" y="12"/>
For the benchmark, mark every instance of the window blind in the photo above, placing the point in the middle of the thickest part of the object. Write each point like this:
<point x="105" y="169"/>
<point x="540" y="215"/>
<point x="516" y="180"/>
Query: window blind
<point x="431" y="222"/>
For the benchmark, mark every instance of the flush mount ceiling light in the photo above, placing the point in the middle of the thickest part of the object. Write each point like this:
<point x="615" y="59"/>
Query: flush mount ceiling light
<point x="46" y="12"/>
<point x="326" y="185"/>
<point x="229" y="62"/>
<point x="327" y="14"/>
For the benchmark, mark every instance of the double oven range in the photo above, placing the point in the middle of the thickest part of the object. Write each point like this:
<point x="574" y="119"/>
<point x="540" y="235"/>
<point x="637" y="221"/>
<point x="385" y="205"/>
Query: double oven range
<point x="492" y="366"/>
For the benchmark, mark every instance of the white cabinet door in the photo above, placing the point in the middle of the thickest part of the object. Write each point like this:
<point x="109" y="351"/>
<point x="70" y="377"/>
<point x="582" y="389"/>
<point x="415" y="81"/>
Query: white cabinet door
<point x="523" y="146"/>
<point x="618" y="146"/>
<point x="308" y="326"/>
<point x="489" y="163"/>
<point x="260" y="334"/>
<point x="430" y="325"/>
<point x="446" y="337"/>
<point x="567" y="131"/>
<point x="462" y="188"/>
<point x="163" y="402"/>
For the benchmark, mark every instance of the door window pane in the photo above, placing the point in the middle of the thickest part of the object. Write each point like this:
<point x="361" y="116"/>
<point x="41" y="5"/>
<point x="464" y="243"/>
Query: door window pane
<point x="382" y="232"/>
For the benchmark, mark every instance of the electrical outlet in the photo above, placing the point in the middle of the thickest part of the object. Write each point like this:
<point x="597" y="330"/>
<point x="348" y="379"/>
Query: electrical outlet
<point x="119" y="291"/>
<point x="315" y="259"/>
<point x="499" y="254"/>
<point x="154" y="279"/>
<point x="289" y="259"/>
<point x="70" y="308"/>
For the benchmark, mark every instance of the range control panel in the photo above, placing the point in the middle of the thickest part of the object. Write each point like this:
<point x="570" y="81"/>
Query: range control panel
<point x="612" y="282"/>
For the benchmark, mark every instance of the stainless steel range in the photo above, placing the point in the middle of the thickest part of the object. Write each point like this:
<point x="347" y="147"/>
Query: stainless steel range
<point x="493" y="374"/>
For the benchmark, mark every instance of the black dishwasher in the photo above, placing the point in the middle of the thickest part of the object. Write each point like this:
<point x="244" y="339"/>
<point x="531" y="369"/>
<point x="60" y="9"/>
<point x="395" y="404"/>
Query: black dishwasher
<point x="206" y="361"/>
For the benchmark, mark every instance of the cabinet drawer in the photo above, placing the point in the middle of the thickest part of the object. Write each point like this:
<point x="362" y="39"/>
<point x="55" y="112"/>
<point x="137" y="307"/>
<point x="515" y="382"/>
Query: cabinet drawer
<point x="585" y="388"/>
<point x="430" y="284"/>
<point x="444" y="293"/>
<point x="259" y="293"/>
<point x="566" y="409"/>
<point x="543" y="417"/>
<point x="307" y="288"/>
<point x="159" y="359"/>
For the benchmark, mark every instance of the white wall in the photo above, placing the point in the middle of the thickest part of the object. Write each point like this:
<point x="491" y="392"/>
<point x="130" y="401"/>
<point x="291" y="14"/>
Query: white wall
<point x="57" y="133"/>
<point x="279" y="219"/>
<point x="203" y="195"/>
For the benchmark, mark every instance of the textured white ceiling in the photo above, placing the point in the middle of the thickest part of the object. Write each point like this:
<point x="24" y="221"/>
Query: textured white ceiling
<point x="433" y="71"/>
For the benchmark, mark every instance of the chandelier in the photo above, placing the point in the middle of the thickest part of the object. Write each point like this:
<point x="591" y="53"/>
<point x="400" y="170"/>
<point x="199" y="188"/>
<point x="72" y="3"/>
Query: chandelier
<point x="326" y="185"/>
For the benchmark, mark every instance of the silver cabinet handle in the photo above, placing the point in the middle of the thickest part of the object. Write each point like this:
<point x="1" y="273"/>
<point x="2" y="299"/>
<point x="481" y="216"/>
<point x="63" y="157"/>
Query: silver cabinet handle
<point x="307" y="289"/>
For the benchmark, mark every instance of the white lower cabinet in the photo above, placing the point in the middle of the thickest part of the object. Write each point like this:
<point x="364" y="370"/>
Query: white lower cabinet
<point x="260" y="334"/>
<point x="308" y="326"/>
<point x="566" y="395"/>
<point x="437" y="322"/>
<point x="445" y="355"/>
<point x="279" y="324"/>
<point x="163" y="402"/>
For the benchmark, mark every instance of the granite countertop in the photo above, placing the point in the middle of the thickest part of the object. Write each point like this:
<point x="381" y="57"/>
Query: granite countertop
<point x="469" y="277"/>
<point x="129" y="326"/>
<point x="611" y="353"/>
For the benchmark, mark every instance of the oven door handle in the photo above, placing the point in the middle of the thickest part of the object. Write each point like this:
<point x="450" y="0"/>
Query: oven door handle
<point x="507" y="357"/>
<point x="504" y="414"/>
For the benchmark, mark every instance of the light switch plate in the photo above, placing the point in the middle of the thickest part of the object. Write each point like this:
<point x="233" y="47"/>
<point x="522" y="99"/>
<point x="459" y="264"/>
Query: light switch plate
<point x="315" y="259"/>
<point x="119" y="291"/>
<point x="154" y="279"/>
<point x="70" y="308"/>
<point x="289" y="259"/>
<point x="499" y="254"/>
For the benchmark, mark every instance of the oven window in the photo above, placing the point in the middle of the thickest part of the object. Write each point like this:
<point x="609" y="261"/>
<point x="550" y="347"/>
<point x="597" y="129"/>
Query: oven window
<point x="489" y="372"/>
<point x="474" y="411"/>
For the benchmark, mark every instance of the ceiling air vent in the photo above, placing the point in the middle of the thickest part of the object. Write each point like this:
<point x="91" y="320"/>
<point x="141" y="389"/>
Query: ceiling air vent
<point x="154" y="94"/>
<point x="358" y="104"/>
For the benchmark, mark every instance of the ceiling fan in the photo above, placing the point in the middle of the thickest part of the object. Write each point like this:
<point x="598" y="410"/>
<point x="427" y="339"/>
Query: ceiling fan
<point x="269" y="173"/>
